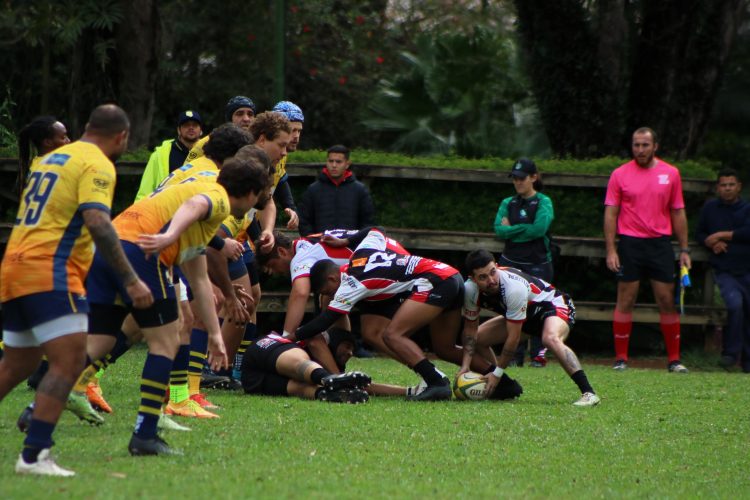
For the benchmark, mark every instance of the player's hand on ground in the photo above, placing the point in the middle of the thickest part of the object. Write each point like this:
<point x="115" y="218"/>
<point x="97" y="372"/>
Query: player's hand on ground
<point x="293" y="219"/>
<point x="154" y="243"/>
<point x="492" y="382"/>
<point x="266" y="241"/>
<point x="613" y="262"/>
<point x="217" y="352"/>
<point x="232" y="249"/>
<point x="140" y="294"/>
<point x="333" y="241"/>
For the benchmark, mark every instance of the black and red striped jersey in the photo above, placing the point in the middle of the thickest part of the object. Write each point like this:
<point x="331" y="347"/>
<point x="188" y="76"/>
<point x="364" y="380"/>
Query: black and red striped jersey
<point x="377" y="272"/>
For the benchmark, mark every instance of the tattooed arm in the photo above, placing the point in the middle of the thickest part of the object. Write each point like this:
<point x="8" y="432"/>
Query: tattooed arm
<point x="108" y="245"/>
<point x="470" y="342"/>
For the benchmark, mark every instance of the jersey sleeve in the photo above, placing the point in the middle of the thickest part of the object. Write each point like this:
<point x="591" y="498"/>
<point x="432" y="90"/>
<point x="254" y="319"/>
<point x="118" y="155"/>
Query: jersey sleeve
<point x="516" y="292"/>
<point x="471" y="307"/>
<point x="375" y="240"/>
<point x="614" y="190"/>
<point x="676" y="200"/>
<point x="350" y="292"/>
<point x="96" y="187"/>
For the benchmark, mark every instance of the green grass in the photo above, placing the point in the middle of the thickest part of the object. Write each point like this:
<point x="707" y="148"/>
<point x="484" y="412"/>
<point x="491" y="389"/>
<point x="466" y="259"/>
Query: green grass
<point x="654" y="435"/>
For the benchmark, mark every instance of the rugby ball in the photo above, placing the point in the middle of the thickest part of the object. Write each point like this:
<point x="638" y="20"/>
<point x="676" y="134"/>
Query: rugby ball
<point x="469" y="386"/>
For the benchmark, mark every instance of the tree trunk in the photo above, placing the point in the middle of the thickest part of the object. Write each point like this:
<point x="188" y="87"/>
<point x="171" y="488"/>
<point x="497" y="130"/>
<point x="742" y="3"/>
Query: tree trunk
<point x="576" y="95"/>
<point x="138" y="42"/>
<point x="679" y="62"/>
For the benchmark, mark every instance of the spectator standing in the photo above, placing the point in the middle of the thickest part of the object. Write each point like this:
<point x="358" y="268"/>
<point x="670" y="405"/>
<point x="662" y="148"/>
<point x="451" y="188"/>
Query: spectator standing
<point x="523" y="221"/>
<point x="644" y="206"/>
<point x="172" y="152"/>
<point x="724" y="228"/>
<point x="336" y="200"/>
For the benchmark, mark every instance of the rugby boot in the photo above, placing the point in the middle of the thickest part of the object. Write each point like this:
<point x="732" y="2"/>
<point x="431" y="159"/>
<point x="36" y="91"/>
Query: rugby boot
<point x="349" y="380"/>
<point x="95" y="397"/>
<point x="24" y="419"/>
<point x="44" y="466"/>
<point x="439" y="392"/>
<point x="188" y="408"/>
<point x="351" y="396"/>
<point x="203" y="402"/>
<point x="78" y="404"/>
<point x="154" y="446"/>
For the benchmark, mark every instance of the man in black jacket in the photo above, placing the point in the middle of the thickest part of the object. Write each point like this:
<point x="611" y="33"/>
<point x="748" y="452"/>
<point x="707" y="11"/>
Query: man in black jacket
<point x="337" y="200"/>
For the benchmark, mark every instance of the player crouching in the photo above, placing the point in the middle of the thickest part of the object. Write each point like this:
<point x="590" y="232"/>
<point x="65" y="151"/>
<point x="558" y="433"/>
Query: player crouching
<point x="525" y="303"/>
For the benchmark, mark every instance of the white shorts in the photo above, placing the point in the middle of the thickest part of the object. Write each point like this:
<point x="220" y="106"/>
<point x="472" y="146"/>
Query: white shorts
<point x="38" y="335"/>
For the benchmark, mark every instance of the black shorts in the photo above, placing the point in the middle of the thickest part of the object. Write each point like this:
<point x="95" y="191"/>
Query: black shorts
<point x="259" y="374"/>
<point x="651" y="258"/>
<point x="536" y="315"/>
<point x="447" y="293"/>
<point x="386" y="308"/>
<point x="107" y="319"/>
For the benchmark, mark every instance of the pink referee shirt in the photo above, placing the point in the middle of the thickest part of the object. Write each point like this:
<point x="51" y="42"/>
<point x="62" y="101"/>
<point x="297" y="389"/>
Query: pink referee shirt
<point x="646" y="197"/>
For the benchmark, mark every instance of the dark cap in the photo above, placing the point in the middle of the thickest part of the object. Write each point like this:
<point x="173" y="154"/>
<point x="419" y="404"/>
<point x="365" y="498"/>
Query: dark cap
<point x="237" y="102"/>
<point x="189" y="116"/>
<point x="523" y="168"/>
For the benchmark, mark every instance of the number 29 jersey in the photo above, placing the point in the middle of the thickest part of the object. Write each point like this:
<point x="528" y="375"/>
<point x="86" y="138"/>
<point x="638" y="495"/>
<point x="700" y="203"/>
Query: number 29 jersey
<point x="50" y="249"/>
<point x="376" y="272"/>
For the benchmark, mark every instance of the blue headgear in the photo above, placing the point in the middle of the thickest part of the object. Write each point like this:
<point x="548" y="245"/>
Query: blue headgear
<point x="237" y="102"/>
<point x="292" y="112"/>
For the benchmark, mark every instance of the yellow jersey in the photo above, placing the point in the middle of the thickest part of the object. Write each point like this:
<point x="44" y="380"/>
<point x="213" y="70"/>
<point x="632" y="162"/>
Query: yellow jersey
<point x="153" y="214"/>
<point x="197" y="150"/>
<point x="50" y="248"/>
<point x="202" y="168"/>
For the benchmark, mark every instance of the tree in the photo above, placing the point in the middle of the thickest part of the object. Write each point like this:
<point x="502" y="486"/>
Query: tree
<point x="657" y="63"/>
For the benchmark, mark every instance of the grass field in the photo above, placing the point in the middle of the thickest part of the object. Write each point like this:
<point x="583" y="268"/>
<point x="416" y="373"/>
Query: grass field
<point x="654" y="435"/>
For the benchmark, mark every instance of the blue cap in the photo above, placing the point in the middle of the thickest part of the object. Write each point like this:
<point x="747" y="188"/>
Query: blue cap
<point x="237" y="102"/>
<point x="189" y="115"/>
<point x="292" y="112"/>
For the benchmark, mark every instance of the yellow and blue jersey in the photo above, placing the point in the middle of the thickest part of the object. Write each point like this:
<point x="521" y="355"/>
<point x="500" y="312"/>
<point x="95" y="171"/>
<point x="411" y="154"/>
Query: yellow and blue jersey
<point x="50" y="248"/>
<point x="197" y="150"/>
<point x="201" y="168"/>
<point x="153" y="214"/>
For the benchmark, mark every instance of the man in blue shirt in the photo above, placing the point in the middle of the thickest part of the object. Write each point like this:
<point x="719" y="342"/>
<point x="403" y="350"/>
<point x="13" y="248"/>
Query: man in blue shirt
<point x="724" y="228"/>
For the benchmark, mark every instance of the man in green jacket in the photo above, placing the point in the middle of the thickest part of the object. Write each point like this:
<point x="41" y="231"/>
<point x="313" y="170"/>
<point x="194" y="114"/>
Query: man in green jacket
<point x="172" y="152"/>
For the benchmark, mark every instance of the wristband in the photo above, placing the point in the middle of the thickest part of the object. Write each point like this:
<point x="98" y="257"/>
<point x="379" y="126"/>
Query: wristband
<point x="685" y="250"/>
<point x="217" y="242"/>
<point x="492" y="368"/>
<point x="498" y="372"/>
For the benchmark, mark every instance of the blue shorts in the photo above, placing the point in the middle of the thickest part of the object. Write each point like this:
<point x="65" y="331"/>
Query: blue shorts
<point x="252" y="265"/>
<point x="237" y="269"/>
<point x="104" y="286"/>
<point x="24" y="313"/>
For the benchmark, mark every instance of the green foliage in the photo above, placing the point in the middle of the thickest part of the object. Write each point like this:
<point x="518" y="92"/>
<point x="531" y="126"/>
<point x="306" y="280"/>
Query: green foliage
<point x="391" y="448"/>
<point x="460" y="92"/>
<point x="8" y="139"/>
<point x="690" y="169"/>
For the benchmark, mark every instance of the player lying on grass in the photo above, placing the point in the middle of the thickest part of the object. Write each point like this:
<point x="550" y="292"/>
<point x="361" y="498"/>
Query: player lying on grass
<point x="525" y="303"/>
<point x="277" y="366"/>
<point x="376" y="273"/>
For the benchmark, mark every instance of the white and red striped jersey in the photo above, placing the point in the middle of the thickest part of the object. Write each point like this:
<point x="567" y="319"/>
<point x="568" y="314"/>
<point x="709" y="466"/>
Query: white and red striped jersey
<point x="308" y="251"/>
<point x="516" y="293"/>
<point x="377" y="272"/>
